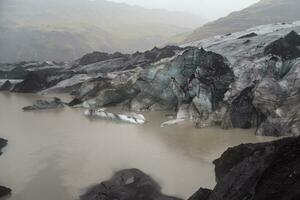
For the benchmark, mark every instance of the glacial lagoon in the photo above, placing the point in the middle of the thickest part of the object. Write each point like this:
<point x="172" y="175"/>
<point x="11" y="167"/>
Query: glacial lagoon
<point x="58" y="154"/>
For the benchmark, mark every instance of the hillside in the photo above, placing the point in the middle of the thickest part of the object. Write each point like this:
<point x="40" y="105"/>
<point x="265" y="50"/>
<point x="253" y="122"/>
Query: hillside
<point x="65" y="30"/>
<point x="263" y="12"/>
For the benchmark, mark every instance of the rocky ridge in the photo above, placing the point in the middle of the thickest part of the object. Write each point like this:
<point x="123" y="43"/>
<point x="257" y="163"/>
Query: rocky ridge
<point x="125" y="185"/>
<point x="4" y="191"/>
<point x="256" y="172"/>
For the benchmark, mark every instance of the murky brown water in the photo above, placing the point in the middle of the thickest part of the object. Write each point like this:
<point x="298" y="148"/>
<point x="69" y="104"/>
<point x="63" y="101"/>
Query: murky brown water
<point x="55" y="155"/>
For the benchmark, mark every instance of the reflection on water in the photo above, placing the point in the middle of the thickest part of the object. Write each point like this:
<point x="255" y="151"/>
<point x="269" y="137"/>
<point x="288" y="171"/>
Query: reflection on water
<point x="56" y="154"/>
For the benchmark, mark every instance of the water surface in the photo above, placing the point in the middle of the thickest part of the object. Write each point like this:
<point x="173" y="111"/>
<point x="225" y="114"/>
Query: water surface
<point x="55" y="155"/>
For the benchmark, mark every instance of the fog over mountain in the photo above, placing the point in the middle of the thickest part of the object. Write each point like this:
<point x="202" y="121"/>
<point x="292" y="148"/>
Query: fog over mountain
<point x="263" y="12"/>
<point x="65" y="30"/>
<point x="210" y="9"/>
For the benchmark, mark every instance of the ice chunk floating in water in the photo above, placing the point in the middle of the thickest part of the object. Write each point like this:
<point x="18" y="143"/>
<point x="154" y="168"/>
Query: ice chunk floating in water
<point x="172" y="122"/>
<point x="133" y="118"/>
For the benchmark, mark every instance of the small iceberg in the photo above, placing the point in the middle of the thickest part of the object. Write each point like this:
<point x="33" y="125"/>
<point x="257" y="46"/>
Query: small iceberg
<point x="172" y="122"/>
<point x="132" y="118"/>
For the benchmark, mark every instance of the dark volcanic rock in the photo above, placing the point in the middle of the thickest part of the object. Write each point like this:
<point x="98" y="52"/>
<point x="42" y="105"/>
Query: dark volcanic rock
<point x="114" y="63"/>
<point x="4" y="191"/>
<point x="259" y="172"/>
<point x="138" y="58"/>
<point x="250" y="35"/>
<point x="201" y="194"/>
<point x="157" y="54"/>
<point x="33" y="82"/>
<point x="3" y="143"/>
<point x="286" y="48"/>
<point x="242" y="111"/>
<point x="130" y="184"/>
<point x="97" y="57"/>
<point x="75" y="102"/>
<point x="214" y="72"/>
<point x="232" y="157"/>
<point x="55" y="103"/>
<point x="6" y="86"/>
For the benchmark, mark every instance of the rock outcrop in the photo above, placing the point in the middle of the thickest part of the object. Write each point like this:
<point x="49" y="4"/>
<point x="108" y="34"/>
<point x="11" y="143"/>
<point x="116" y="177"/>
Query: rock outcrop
<point x="130" y="184"/>
<point x="242" y="111"/>
<point x="201" y="194"/>
<point x="55" y="103"/>
<point x="3" y="143"/>
<point x="4" y="191"/>
<point x="97" y="57"/>
<point x="33" y="82"/>
<point x="257" y="172"/>
<point x="6" y="86"/>
<point x="287" y="47"/>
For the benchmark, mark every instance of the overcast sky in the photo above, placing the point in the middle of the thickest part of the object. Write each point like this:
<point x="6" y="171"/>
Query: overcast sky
<point x="210" y="9"/>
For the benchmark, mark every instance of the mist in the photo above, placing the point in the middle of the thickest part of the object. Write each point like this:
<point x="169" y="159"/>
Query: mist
<point x="65" y="30"/>
<point x="210" y="9"/>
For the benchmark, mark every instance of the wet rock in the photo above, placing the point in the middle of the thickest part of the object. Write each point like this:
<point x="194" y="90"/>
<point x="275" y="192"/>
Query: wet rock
<point x="33" y="82"/>
<point x="242" y="111"/>
<point x="214" y="72"/>
<point x="3" y="143"/>
<point x="259" y="171"/>
<point x="4" y="191"/>
<point x="130" y="184"/>
<point x="55" y="103"/>
<point x="75" y="102"/>
<point x="286" y="47"/>
<point x="6" y="86"/>
<point x="201" y="194"/>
